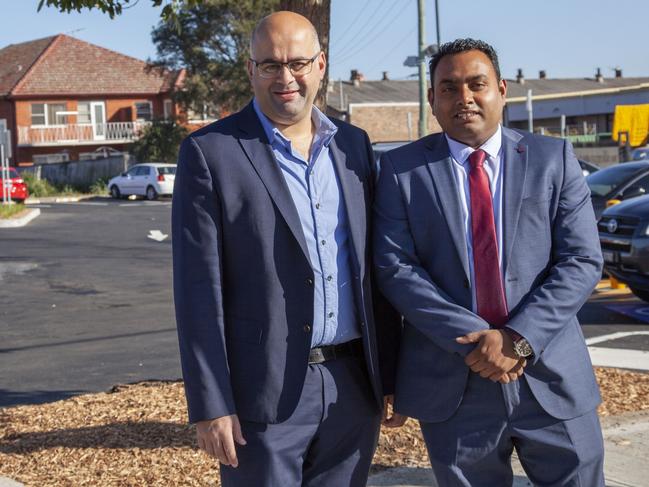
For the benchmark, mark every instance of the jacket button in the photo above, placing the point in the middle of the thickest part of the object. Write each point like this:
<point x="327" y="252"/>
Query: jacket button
<point x="362" y="324"/>
<point x="307" y="328"/>
<point x="466" y="283"/>
<point x="309" y="281"/>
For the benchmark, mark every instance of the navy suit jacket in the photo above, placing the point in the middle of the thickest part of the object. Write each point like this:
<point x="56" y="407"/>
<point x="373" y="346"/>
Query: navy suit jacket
<point x="243" y="284"/>
<point x="551" y="259"/>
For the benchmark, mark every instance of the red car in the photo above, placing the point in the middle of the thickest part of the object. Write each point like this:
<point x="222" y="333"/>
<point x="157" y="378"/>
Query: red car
<point x="18" y="188"/>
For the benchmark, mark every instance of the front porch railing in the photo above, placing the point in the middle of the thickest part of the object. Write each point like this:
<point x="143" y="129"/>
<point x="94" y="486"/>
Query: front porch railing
<point x="80" y="133"/>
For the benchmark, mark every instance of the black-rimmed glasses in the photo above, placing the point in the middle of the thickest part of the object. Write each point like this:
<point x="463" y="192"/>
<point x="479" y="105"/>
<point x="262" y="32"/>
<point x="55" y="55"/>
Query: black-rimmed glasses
<point x="297" y="67"/>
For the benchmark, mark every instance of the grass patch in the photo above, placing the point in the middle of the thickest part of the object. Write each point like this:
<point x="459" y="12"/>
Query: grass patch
<point x="39" y="188"/>
<point x="9" y="211"/>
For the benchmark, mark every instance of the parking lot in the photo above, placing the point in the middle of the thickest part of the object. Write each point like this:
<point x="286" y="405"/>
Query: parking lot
<point x="86" y="303"/>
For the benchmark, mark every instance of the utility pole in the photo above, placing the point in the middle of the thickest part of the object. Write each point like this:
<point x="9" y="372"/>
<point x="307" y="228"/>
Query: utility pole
<point x="423" y="107"/>
<point x="439" y="42"/>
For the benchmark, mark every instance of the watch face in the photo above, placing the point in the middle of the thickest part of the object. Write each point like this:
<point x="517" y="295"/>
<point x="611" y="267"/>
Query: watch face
<point x="523" y="348"/>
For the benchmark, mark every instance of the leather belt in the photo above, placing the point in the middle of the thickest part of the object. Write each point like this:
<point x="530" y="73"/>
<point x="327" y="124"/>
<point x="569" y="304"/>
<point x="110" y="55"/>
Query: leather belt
<point x="353" y="348"/>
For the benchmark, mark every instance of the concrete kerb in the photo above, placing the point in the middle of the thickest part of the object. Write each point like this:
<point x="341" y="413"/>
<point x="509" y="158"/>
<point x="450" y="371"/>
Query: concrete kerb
<point x="21" y="221"/>
<point x="5" y="482"/>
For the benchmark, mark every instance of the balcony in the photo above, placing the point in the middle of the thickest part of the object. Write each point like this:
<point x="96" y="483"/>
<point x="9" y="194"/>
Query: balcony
<point x="80" y="134"/>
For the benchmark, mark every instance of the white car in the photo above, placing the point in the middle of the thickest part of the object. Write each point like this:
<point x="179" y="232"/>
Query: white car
<point x="151" y="179"/>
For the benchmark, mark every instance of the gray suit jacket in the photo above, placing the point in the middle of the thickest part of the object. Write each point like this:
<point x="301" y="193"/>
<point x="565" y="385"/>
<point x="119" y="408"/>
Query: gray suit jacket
<point x="243" y="284"/>
<point x="551" y="260"/>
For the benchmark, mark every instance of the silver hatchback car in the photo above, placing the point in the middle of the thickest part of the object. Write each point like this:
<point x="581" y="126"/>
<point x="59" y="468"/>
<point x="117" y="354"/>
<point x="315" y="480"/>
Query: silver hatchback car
<point x="150" y="179"/>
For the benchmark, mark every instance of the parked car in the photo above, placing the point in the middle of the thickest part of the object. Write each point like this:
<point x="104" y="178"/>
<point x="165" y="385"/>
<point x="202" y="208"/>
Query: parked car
<point x="616" y="183"/>
<point x="381" y="148"/>
<point x="151" y="179"/>
<point x="17" y="189"/>
<point x="587" y="167"/>
<point x="640" y="154"/>
<point x="624" y="237"/>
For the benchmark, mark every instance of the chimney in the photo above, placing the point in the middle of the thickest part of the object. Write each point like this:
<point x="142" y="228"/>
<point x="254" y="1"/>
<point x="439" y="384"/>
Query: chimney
<point x="598" y="76"/>
<point x="520" y="79"/>
<point x="385" y="76"/>
<point x="542" y="74"/>
<point x="356" y="77"/>
<point x="618" y="72"/>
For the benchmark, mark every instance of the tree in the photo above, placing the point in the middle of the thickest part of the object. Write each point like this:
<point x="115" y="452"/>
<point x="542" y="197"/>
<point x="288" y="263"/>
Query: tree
<point x="319" y="13"/>
<point x="159" y="142"/>
<point x="115" y="7"/>
<point x="212" y="44"/>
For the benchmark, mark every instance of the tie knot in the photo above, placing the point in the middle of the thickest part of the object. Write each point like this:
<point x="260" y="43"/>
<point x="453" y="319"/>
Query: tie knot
<point x="477" y="158"/>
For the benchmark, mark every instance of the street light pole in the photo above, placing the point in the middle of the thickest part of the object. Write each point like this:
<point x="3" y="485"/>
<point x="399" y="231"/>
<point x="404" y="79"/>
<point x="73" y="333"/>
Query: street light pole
<point x="423" y="107"/>
<point x="439" y="42"/>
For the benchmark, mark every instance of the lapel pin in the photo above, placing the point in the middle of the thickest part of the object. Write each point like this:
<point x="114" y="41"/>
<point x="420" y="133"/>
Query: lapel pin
<point x="520" y="149"/>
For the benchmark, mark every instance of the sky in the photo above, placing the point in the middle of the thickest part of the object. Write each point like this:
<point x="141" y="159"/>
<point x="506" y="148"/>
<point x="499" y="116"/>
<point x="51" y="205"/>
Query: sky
<point x="566" y="38"/>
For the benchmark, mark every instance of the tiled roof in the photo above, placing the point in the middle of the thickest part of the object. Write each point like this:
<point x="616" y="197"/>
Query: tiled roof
<point x="68" y="66"/>
<point x="407" y="91"/>
<point x="16" y="59"/>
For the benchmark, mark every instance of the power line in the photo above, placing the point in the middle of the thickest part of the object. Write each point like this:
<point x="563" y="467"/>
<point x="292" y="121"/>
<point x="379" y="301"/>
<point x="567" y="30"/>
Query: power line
<point x="353" y="22"/>
<point x="358" y="49"/>
<point x="360" y="30"/>
<point x="387" y="54"/>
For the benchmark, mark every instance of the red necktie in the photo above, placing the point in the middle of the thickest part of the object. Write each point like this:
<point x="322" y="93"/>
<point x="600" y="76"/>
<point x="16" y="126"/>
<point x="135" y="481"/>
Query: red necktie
<point x="490" y="295"/>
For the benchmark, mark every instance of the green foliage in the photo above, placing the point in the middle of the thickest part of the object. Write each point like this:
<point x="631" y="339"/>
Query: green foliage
<point x="210" y="40"/>
<point x="99" y="187"/>
<point x="7" y="211"/>
<point x="38" y="187"/>
<point x="115" y="7"/>
<point x="159" y="142"/>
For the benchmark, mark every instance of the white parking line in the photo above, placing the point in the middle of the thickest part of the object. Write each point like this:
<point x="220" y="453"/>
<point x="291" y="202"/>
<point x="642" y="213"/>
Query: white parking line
<point x="619" y="357"/>
<point x="622" y="358"/>
<point x="614" y="336"/>
<point x="84" y="203"/>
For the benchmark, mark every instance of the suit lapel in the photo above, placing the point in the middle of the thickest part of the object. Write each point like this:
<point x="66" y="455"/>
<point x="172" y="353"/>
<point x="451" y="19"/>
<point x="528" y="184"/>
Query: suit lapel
<point x="440" y="165"/>
<point x="515" y="168"/>
<point x="354" y="197"/>
<point x="258" y="151"/>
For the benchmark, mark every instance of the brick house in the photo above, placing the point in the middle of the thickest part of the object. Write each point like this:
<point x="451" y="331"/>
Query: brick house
<point x="63" y="98"/>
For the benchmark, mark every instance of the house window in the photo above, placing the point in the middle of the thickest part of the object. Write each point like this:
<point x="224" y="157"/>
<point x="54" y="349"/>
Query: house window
<point x="83" y="113"/>
<point x="143" y="111"/>
<point x="168" y="109"/>
<point x="38" y="114"/>
<point x="48" y="114"/>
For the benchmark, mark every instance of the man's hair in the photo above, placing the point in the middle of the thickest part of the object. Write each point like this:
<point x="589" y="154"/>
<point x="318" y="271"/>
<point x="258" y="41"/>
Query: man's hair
<point x="463" y="45"/>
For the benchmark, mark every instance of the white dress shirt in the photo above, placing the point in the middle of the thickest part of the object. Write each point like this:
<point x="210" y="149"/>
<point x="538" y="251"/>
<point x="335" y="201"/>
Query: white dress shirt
<point x="493" y="167"/>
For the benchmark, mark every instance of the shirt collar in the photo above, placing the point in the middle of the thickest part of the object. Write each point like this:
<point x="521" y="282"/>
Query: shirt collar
<point x="461" y="152"/>
<point x="325" y="129"/>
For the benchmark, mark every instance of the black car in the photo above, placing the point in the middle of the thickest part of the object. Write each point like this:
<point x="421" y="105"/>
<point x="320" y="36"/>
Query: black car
<point x="587" y="168"/>
<point x="617" y="183"/>
<point x="624" y="237"/>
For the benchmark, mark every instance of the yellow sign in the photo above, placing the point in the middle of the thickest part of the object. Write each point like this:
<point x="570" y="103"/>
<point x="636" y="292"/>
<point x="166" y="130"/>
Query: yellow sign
<point x="633" y="119"/>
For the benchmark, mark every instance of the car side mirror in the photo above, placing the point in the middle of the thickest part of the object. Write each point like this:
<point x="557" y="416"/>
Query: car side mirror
<point x="123" y="174"/>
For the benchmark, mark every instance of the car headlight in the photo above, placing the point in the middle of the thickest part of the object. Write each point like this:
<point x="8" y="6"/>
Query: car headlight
<point x="646" y="230"/>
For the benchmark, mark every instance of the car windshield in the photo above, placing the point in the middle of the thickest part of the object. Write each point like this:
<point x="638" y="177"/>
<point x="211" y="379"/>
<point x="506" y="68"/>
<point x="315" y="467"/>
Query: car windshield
<point x="604" y="181"/>
<point x="12" y="173"/>
<point x="167" y="170"/>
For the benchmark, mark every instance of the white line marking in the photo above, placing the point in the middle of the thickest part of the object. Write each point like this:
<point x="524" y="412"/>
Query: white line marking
<point x="82" y="203"/>
<point x="157" y="235"/>
<point x="619" y="357"/>
<point x="614" y="336"/>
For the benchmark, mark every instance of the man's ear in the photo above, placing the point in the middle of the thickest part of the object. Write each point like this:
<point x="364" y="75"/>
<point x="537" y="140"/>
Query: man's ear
<point x="249" y="68"/>
<point x="431" y="99"/>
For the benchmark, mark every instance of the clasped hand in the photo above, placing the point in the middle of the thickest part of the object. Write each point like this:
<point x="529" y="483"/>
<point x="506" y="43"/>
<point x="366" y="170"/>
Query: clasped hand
<point x="493" y="357"/>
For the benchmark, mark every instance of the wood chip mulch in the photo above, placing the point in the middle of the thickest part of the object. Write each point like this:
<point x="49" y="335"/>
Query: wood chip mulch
<point x="136" y="435"/>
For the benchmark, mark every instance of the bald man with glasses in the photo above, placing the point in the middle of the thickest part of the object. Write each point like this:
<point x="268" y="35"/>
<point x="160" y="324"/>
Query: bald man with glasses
<point x="287" y="352"/>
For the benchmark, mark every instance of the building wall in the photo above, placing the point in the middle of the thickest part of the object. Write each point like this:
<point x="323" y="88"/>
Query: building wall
<point x="387" y="123"/>
<point x="117" y="110"/>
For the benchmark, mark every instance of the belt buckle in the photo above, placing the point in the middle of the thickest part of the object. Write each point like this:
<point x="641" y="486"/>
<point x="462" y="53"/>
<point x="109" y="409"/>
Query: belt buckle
<point x="316" y="356"/>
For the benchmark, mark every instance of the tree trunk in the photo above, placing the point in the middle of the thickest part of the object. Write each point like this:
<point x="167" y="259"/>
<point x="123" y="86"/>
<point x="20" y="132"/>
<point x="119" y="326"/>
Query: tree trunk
<point x="319" y="13"/>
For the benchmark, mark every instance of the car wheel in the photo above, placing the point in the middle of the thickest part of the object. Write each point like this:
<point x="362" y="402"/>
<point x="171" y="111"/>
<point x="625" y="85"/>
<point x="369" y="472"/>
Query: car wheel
<point x="642" y="294"/>
<point x="151" y="193"/>
<point x="114" y="192"/>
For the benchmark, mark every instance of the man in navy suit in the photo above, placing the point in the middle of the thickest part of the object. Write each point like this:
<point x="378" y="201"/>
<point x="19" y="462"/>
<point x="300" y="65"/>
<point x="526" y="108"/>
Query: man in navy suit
<point x="286" y="353"/>
<point x="486" y="242"/>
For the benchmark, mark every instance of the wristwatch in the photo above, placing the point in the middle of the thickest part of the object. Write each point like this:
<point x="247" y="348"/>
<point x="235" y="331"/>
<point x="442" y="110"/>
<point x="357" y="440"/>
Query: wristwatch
<point x="522" y="348"/>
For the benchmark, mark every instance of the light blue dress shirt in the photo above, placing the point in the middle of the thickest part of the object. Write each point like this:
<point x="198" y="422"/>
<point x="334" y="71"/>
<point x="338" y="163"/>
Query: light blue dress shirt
<point x="317" y="195"/>
<point x="493" y="167"/>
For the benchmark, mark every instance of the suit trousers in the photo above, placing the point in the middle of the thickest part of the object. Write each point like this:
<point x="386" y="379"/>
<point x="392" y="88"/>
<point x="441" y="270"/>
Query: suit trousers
<point x="329" y="440"/>
<point x="473" y="447"/>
